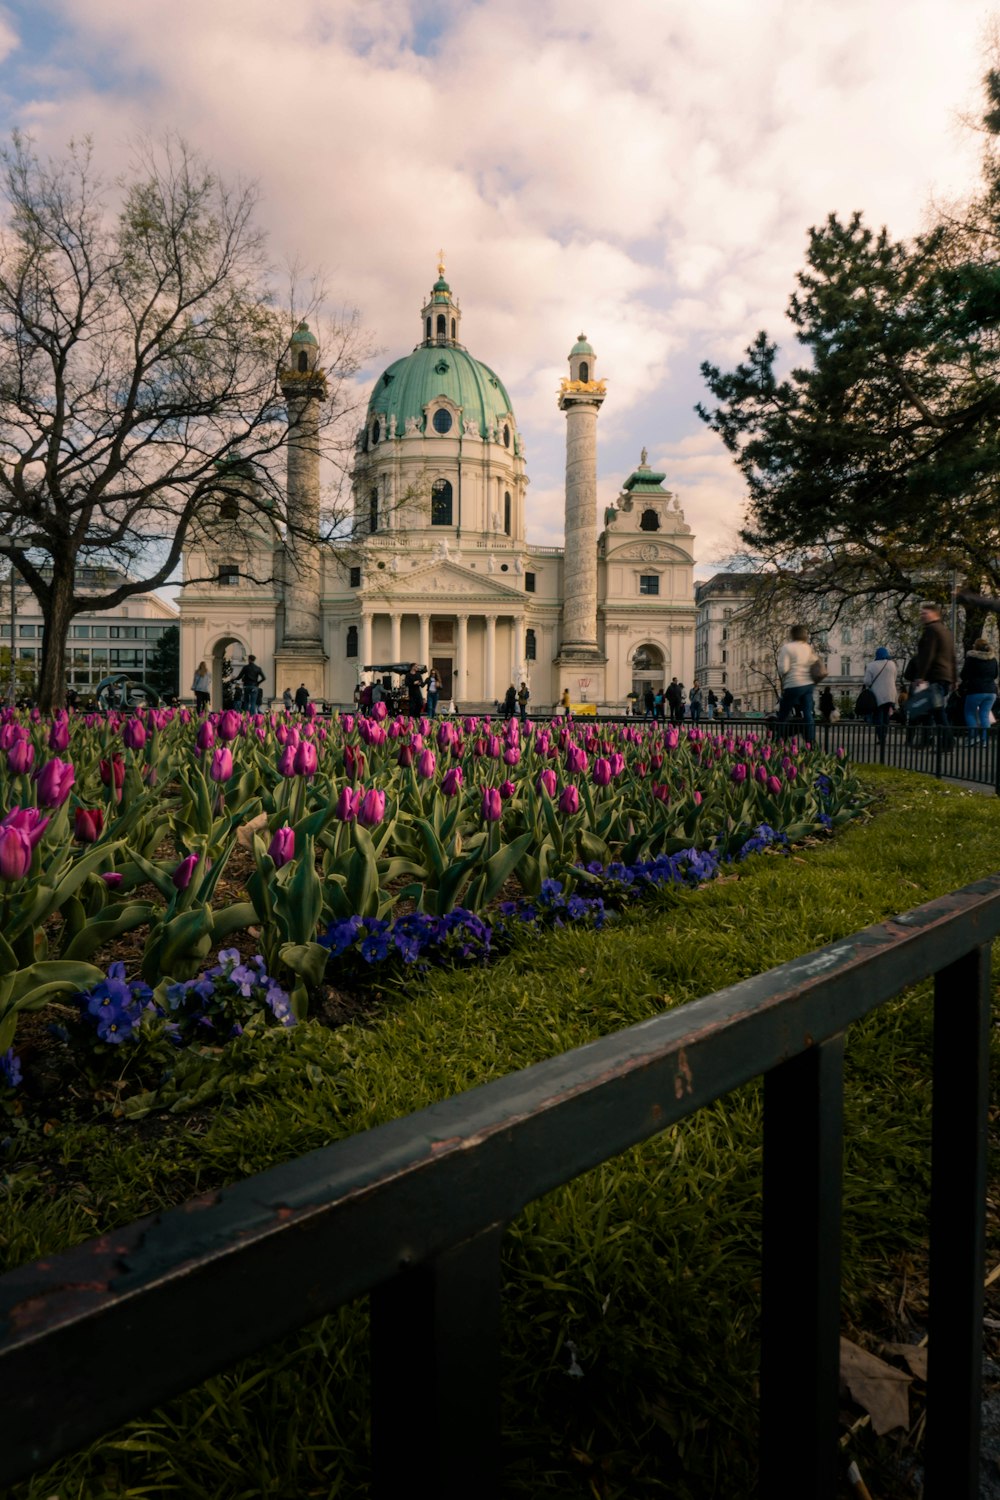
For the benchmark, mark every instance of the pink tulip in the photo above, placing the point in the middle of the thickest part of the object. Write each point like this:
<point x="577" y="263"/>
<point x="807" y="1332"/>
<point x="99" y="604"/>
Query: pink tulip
<point x="88" y="824"/>
<point x="113" y="878"/>
<point x="405" y="756"/>
<point x="282" y="846"/>
<point x="546" y="781"/>
<point x="451" y="782"/>
<point x="379" y="711"/>
<point x="286" y="761"/>
<point x="738" y="773"/>
<point x="205" y="738"/>
<point x="507" y="790"/>
<point x="54" y="778"/>
<point x="371" y="810"/>
<point x="569" y="802"/>
<point x="511" y="755"/>
<point x="59" y="734"/>
<point x="492" y="807"/>
<point x="773" y="785"/>
<point x="134" y="735"/>
<point x="29" y="820"/>
<point x="15" y="853"/>
<point x="347" y="723"/>
<point x="20" y="757"/>
<point x="426" y="764"/>
<point x="306" y="760"/>
<point x="602" y="771"/>
<point x="229" y="725"/>
<point x="221" y="768"/>
<point x="347" y="805"/>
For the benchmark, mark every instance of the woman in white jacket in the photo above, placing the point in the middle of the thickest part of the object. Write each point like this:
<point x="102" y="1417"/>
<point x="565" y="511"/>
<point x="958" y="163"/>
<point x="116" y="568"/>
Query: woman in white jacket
<point x="880" y="677"/>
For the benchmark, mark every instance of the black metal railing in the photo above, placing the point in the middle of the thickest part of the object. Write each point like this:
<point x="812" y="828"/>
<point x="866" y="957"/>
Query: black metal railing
<point x="413" y="1213"/>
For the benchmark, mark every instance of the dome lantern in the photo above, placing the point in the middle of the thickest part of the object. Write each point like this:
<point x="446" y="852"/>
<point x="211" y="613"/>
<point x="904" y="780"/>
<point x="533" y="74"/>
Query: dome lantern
<point x="441" y="314"/>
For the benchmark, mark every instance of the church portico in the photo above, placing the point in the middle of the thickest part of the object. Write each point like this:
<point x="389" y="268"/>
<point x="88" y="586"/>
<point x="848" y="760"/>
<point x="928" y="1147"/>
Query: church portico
<point x="478" y="653"/>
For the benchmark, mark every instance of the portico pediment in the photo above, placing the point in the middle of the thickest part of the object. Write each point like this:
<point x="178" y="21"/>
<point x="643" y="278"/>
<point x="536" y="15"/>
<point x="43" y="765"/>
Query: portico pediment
<point x="443" y="576"/>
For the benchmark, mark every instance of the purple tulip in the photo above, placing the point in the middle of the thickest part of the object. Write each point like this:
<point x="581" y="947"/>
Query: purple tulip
<point x="507" y="790"/>
<point x="511" y="755"/>
<point x="547" y="781"/>
<point x="29" y="820"/>
<point x="229" y="725"/>
<point x="54" y="780"/>
<point x="451" y="782"/>
<point x="405" y="756"/>
<point x="738" y="773"/>
<point x="113" y="878"/>
<point x="282" y="846"/>
<point x="306" y="760"/>
<point x="15" y="853"/>
<point x="20" y="757"/>
<point x="286" y="761"/>
<point x="492" y="805"/>
<point x="347" y="723"/>
<point x="134" y="735"/>
<point x="773" y="785"/>
<point x="221" y="768"/>
<point x="576" y="759"/>
<point x="184" y="872"/>
<point x="59" y="734"/>
<point x="205" y="738"/>
<point x="569" y="802"/>
<point x="371" y="810"/>
<point x="426" y="764"/>
<point x="347" y="805"/>
<point x="602" y="771"/>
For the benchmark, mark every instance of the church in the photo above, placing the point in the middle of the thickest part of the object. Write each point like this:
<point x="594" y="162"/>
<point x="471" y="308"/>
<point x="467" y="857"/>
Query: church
<point x="438" y="568"/>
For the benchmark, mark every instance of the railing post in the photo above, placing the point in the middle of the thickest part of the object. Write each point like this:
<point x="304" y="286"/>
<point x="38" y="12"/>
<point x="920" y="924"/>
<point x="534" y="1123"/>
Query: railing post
<point x="958" y="1226"/>
<point x="435" y="1347"/>
<point x="800" y="1282"/>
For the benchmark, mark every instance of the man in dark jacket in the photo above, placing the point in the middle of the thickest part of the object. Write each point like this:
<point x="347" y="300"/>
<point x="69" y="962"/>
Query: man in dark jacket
<point x="935" y="666"/>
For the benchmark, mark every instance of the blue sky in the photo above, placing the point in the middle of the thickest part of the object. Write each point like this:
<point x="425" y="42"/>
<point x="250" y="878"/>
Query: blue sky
<point x="645" y="172"/>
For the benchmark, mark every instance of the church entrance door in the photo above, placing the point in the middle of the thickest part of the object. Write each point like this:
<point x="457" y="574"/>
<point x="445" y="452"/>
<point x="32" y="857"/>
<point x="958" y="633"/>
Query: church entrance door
<point x="442" y="666"/>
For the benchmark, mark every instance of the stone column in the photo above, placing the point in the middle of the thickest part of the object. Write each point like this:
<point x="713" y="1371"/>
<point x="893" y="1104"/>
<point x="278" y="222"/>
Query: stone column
<point x="516" y="649"/>
<point x="489" y="685"/>
<point x="366" y="637"/>
<point x="300" y="655"/>
<point x="580" y="564"/>
<point x="461" y="658"/>
<point x="425" y="640"/>
<point x="394" y="634"/>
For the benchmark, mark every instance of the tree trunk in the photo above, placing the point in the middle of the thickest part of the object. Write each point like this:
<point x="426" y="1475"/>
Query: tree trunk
<point x="57" y="612"/>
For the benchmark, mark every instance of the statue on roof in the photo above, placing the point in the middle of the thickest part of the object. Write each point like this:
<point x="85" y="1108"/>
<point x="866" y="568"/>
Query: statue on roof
<point x="643" y="456"/>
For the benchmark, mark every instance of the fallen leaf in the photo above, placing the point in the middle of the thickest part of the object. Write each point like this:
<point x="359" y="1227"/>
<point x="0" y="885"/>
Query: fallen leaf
<point x="915" y="1356"/>
<point x="246" y="831"/>
<point x="876" y="1386"/>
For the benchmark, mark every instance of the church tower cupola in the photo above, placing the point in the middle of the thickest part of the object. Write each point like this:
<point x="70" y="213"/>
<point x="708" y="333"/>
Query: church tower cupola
<point x="581" y="361"/>
<point x="441" y="314"/>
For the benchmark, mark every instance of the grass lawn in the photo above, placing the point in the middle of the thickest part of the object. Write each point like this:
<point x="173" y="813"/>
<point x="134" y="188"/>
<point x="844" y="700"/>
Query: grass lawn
<point x="631" y="1296"/>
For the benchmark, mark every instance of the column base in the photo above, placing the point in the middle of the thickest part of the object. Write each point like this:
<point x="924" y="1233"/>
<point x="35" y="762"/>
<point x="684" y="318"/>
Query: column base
<point x="295" y="664"/>
<point x="582" y="669"/>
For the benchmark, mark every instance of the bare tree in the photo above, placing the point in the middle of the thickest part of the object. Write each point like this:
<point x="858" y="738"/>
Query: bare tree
<point x="140" y="350"/>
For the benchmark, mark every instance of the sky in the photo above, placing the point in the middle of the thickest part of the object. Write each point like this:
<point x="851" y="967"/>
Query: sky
<point x="644" y="172"/>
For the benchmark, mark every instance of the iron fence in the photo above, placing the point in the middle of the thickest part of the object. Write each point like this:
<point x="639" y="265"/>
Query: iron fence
<point x="413" y="1213"/>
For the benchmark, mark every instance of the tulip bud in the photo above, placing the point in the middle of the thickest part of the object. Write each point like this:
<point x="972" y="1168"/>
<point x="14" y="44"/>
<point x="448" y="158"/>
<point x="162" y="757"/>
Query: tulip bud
<point x="306" y="759"/>
<point x="59" y="734"/>
<point x="286" y="761"/>
<point x="569" y="802"/>
<point x="773" y="785"/>
<point x="507" y="790"/>
<point x="547" y="781"/>
<point x="426" y="764"/>
<point x="511" y="755"/>
<point x="347" y="805"/>
<point x="738" y="773"/>
<point x="134" y="735"/>
<point x="88" y="824"/>
<point x="54" y="780"/>
<point x="184" y="872"/>
<point x="451" y="782"/>
<point x="229" y="725"/>
<point x="15" y="853"/>
<point x="371" y="809"/>
<point x="221" y="768"/>
<point x="602" y="771"/>
<point x="282" y="846"/>
<point x="113" y="878"/>
<point x="492" y="807"/>
<point x="405" y="756"/>
<point x="20" y="757"/>
<point x="205" y="738"/>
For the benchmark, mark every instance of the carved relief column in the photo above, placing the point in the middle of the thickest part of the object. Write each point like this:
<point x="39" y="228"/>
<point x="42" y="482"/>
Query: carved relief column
<point x="516" y="649"/>
<point x="461" y="658"/>
<point x="394" y="634"/>
<point x="489" y="685"/>
<point x="425" y="641"/>
<point x="366" y="637"/>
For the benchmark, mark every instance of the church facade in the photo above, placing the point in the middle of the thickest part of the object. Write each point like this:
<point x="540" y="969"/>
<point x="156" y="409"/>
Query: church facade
<point x="439" y="569"/>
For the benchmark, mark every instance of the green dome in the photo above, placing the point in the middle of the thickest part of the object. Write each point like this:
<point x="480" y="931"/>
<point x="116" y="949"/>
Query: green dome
<point x="303" y="335"/>
<point x="409" y="384"/>
<point x="581" y="346"/>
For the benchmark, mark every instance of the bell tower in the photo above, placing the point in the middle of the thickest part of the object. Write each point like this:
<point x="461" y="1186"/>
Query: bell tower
<point x="581" y="662"/>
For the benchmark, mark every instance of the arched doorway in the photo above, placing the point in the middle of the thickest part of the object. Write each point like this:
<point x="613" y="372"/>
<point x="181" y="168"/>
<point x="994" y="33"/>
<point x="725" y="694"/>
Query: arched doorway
<point x="229" y="648"/>
<point x="648" y="671"/>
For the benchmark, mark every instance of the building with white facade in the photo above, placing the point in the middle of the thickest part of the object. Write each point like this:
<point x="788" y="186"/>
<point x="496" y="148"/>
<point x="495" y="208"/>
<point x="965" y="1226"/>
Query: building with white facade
<point x="438" y="569"/>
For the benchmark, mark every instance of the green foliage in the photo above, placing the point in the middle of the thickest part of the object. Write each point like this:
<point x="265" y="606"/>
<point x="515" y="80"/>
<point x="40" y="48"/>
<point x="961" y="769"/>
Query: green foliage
<point x="163" y="665"/>
<point x="648" y="1265"/>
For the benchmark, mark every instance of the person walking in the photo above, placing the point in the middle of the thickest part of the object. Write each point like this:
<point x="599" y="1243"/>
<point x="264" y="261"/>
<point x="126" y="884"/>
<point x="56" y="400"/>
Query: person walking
<point x="287" y="700"/>
<point x="433" y="693"/>
<point x="565" y="703"/>
<point x="727" y="703"/>
<point x="522" y="701"/>
<point x="510" y="702"/>
<point x="880" y="680"/>
<point x="251" y="678"/>
<point x="979" y="679"/>
<point x="826" y="704"/>
<point x="413" y="683"/>
<point x="795" y="663"/>
<point x="301" y="697"/>
<point x="201" y="686"/>
<point x="649" y="701"/>
<point x="695" y="701"/>
<point x="935" y="668"/>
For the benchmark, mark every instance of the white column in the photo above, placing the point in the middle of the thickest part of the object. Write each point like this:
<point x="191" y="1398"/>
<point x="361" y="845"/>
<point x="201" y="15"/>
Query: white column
<point x="394" y="632"/>
<point x="425" y="641"/>
<point x="516" y="649"/>
<point x="366" y="637"/>
<point x="489" y="686"/>
<point x="461" y="658"/>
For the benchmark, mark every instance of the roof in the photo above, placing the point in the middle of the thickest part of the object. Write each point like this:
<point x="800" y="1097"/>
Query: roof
<point x="304" y="335"/>
<point x="409" y="384"/>
<point x="581" y="346"/>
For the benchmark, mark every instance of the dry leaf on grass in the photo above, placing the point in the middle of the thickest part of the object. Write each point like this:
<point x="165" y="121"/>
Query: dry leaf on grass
<point x="246" y="831"/>
<point x="882" y="1390"/>
<point x="915" y="1356"/>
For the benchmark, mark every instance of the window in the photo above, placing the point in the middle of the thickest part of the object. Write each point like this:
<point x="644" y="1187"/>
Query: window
<point x="373" y="511"/>
<point x="441" y="503"/>
<point x="846" y="636"/>
<point x="355" y="578"/>
<point x="351" y="649"/>
<point x="229" y="509"/>
<point x="869" y="634"/>
<point x="428" y="327"/>
<point x="506" y="435"/>
<point x="229" y="576"/>
<point x="453" y="328"/>
<point x="26" y="630"/>
<point x="506" y="512"/>
<point x="649" y="583"/>
<point x="584" y="371"/>
<point x="133" y="659"/>
<point x="529" y="583"/>
<point x="376" y="432"/>
<point x="303" y="361"/>
<point x="724" y="656"/>
<point x="442" y="420"/>
<point x="649" y="521"/>
<point x="81" y="632"/>
<point x="122" y="632"/>
<point x="845" y="666"/>
<point x="442" y="326"/>
<point x="530" y="648"/>
<point x="725" y="633"/>
<point x="153" y="632"/>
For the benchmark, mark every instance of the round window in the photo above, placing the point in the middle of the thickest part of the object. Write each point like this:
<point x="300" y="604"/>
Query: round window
<point x="442" y="420"/>
<point x="504" y="568"/>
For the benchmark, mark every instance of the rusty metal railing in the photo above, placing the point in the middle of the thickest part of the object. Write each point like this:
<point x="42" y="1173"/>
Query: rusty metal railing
<point x="413" y="1214"/>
